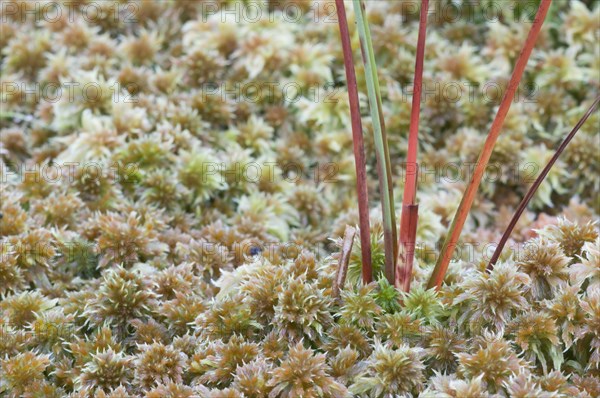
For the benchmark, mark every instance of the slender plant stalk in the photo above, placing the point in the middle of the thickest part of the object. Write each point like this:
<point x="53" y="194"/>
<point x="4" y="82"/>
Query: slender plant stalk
<point x="342" y="271"/>
<point x="359" y="146"/>
<point x="410" y="213"/>
<point x="384" y="168"/>
<point x="536" y="184"/>
<point x="388" y="164"/>
<point x="410" y="209"/>
<point x="451" y="240"/>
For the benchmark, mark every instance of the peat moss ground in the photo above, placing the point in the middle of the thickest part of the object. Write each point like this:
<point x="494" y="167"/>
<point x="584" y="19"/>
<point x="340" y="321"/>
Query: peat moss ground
<point x="176" y="178"/>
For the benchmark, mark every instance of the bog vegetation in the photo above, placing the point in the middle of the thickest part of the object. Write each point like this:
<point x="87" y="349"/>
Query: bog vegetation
<point x="178" y="178"/>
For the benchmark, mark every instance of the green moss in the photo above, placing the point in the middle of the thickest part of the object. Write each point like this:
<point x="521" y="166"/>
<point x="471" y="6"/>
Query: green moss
<point x="187" y="246"/>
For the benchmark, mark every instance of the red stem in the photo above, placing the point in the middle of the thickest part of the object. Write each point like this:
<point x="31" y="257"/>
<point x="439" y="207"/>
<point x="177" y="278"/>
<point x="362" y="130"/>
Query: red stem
<point x="451" y="241"/>
<point x="410" y="213"/>
<point x="536" y="184"/>
<point x="407" y="233"/>
<point x="359" y="146"/>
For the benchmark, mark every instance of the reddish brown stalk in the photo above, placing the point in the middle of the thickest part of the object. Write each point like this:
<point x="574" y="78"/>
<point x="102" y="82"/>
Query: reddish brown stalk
<point x="410" y="210"/>
<point x="536" y="184"/>
<point x="404" y="274"/>
<point x="342" y="271"/>
<point x="447" y="251"/>
<point x="359" y="146"/>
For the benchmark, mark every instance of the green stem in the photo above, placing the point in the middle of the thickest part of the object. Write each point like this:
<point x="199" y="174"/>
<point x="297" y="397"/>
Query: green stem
<point x="384" y="168"/>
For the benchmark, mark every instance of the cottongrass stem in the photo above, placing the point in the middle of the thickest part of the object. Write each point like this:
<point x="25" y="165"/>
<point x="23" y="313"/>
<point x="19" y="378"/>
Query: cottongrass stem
<point x="410" y="210"/>
<point x="359" y="146"/>
<point x="437" y="277"/>
<point x="536" y="184"/>
<point x="384" y="169"/>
